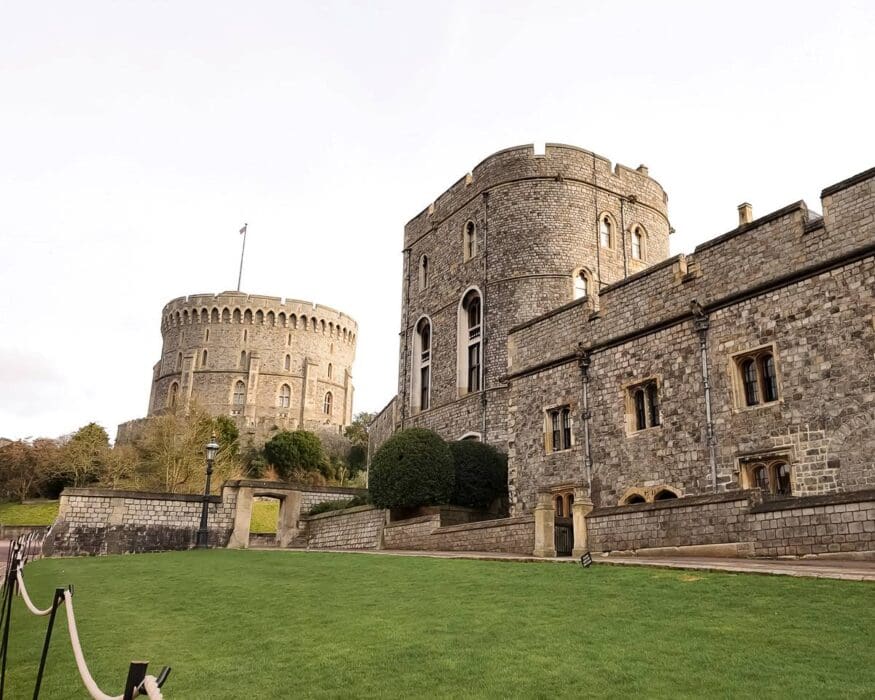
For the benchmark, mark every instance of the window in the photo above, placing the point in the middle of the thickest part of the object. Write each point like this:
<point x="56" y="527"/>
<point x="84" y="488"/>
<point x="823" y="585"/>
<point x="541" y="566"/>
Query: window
<point x="423" y="272"/>
<point x="470" y="343"/>
<point x="470" y="241"/>
<point x="422" y="366"/>
<point x="204" y="359"/>
<point x="559" y="506"/>
<point x="239" y="393"/>
<point x="287" y="363"/>
<point x="606" y="232"/>
<point x="285" y="397"/>
<point x="772" y="476"/>
<point x="206" y="335"/>
<point x="559" y="429"/>
<point x="179" y="362"/>
<point x="581" y="285"/>
<point x="242" y="359"/>
<point x="326" y="405"/>
<point x="330" y="369"/>
<point x="757" y="377"/>
<point x="174" y="392"/>
<point x="245" y="335"/>
<point x="643" y="405"/>
<point x="637" y="243"/>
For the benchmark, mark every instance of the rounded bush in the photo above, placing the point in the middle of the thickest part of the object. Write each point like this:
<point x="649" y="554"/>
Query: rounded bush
<point x="481" y="474"/>
<point x="412" y="468"/>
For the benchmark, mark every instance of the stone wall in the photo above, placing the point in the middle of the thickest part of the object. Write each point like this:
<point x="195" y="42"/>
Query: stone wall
<point x="507" y="535"/>
<point x="101" y="521"/>
<point x="837" y="523"/>
<point x="353" y="528"/>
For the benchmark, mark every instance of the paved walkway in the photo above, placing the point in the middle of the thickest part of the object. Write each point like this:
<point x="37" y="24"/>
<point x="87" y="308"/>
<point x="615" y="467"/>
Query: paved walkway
<point x="813" y="568"/>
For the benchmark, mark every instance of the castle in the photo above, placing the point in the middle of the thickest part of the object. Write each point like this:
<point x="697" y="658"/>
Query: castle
<point x="541" y="313"/>
<point x="269" y="363"/>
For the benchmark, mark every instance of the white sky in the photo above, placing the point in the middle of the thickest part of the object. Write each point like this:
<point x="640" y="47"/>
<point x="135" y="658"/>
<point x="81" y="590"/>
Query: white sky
<point x="137" y="137"/>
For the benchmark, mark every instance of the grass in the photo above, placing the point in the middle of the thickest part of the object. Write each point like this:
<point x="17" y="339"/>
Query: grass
<point x="28" y="513"/>
<point x="264" y="516"/>
<point x="296" y="624"/>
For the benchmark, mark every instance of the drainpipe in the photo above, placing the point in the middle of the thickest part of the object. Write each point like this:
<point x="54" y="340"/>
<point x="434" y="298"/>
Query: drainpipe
<point x="701" y="324"/>
<point x="583" y="361"/>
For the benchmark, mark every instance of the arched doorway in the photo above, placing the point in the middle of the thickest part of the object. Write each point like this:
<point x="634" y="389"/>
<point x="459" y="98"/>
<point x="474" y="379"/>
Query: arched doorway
<point x="563" y="523"/>
<point x="265" y="503"/>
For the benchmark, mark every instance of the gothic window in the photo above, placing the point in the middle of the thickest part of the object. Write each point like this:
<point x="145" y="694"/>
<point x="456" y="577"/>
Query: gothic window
<point x="285" y="396"/>
<point x="423" y="272"/>
<point x="665" y="495"/>
<point x="422" y="343"/>
<point x="326" y="405"/>
<point x="643" y="405"/>
<point x="606" y="232"/>
<point x="174" y="391"/>
<point x="638" y="243"/>
<point x="239" y="393"/>
<point x="559" y="435"/>
<point x="634" y="498"/>
<point x="772" y="476"/>
<point x="470" y="240"/>
<point x="581" y="285"/>
<point x="757" y="377"/>
<point x="470" y="343"/>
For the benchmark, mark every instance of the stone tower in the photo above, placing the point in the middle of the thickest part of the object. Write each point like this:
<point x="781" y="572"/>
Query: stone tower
<point x="520" y="236"/>
<point x="265" y="361"/>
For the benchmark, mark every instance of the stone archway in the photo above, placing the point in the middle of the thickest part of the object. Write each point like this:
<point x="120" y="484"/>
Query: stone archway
<point x="289" y="512"/>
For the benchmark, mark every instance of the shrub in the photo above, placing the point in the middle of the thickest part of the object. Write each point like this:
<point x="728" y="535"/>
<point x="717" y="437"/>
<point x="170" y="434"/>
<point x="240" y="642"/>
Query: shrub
<point x="481" y="474"/>
<point x="294" y="451"/>
<point x="412" y="468"/>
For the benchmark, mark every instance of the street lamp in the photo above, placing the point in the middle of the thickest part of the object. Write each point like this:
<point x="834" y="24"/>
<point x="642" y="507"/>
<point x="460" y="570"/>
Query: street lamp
<point x="211" y="450"/>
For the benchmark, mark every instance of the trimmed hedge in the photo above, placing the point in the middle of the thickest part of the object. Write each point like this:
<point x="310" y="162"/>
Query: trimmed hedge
<point x="412" y="468"/>
<point x="481" y="474"/>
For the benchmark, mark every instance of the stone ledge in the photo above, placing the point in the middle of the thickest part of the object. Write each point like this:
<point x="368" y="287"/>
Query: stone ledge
<point x="141" y="495"/>
<point x="815" y="501"/>
<point x="336" y="513"/>
<point x="486" y="524"/>
<point x="294" y="486"/>
<point x="414" y="521"/>
<point x="685" y="501"/>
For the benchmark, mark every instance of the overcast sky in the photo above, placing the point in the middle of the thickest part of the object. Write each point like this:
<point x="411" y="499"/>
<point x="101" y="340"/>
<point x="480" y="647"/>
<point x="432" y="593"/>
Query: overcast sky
<point x="137" y="137"/>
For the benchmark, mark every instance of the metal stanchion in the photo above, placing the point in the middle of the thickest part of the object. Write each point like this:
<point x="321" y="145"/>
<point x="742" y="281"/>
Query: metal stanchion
<point x="56" y="601"/>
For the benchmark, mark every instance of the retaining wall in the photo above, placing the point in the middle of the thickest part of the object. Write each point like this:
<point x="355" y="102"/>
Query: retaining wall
<point x="507" y="535"/>
<point x="353" y="528"/>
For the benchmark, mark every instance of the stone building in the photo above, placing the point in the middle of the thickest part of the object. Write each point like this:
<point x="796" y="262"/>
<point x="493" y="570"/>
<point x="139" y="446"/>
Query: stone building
<point x="616" y="375"/>
<point x="270" y="363"/>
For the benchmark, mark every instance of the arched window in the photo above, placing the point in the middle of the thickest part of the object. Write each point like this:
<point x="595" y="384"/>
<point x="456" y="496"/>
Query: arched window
<point x="634" y="498"/>
<point x="770" y="377"/>
<point x="581" y="285"/>
<point x="470" y="342"/>
<point x="640" y="410"/>
<point x="665" y="495"/>
<point x="422" y="366"/>
<point x="638" y="243"/>
<point x="760" y="477"/>
<point x="749" y="377"/>
<point x="285" y="397"/>
<point x="174" y="392"/>
<point x="423" y="272"/>
<point x="470" y="240"/>
<point x="781" y="480"/>
<point x="239" y="393"/>
<point x="287" y="363"/>
<point x="606" y="232"/>
<point x="330" y="369"/>
<point x="559" y="502"/>
<point x="179" y="362"/>
<point x="326" y="405"/>
<point x="204" y="359"/>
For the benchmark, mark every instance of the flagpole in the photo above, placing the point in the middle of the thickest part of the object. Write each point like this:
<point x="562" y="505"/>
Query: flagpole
<point x="242" y="252"/>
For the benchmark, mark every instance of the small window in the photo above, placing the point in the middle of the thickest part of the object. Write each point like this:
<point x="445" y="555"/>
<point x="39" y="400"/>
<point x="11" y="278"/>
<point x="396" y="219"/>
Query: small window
<point x="772" y="476"/>
<point x="179" y="362"/>
<point x="470" y="240"/>
<point x="289" y="339"/>
<point x="781" y="478"/>
<point x="285" y="396"/>
<point x="581" y="285"/>
<point x="287" y="363"/>
<point x="239" y="393"/>
<point x="559" y="429"/>
<point x="423" y="272"/>
<point x="245" y="335"/>
<point x="606" y="232"/>
<point x="243" y="359"/>
<point x="634" y="498"/>
<point x="637" y="243"/>
<point x="204" y="359"/>
<point x="206" y="335"/>
<point x="330" y="369"/>
<point x="422" y="365"/>
<point x="174" y="392"/>
<point x="643" y="405"/>
<point x="665" y="495"/>
<point x="326" y="405"/>
<point x="757" y="377"/>
<point x="560" y="506"/>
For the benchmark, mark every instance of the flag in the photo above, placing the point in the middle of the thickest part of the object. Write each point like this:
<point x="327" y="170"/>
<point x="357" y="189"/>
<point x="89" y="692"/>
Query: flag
<point x="243" y="230"/>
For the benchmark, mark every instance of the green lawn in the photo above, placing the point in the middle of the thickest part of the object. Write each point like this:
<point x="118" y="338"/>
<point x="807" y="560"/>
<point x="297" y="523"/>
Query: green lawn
<point x="28" y="513"/>
<point x="237" y="624"/>
<point x="264" y="516"/>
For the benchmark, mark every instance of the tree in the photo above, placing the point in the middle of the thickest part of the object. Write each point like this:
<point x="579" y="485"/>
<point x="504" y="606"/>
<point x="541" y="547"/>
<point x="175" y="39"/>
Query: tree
<point x="357" y="431"/>
<point x="83" y="456"/>
<point x="25" y="467"/>
<point x="481" y="473"/>
<point x="412" y="468"/>
<point x="297" y="451"/>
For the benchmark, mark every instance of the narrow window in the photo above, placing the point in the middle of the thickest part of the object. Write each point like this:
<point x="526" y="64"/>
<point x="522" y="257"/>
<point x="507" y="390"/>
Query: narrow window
<point x="204" y="359"/>
<point x="326" y="406"/>
<point x="470" y="325"/>
<point x="206" y="335"/>
<point x="637" y="243"/>
<point x="581" y="285"/>
<point x="470" y="240"/>
<point x="245" y="335"/>
<point x="421" y="372"/>
<point x="566" y="428"/>
<point x="606" y="232"/>
<point x="285" y="396"/>
<point x="287" y="363"/>
<point x="239" y="393"/>
<point x="474" y="367"/>
<point x="174" y="391"/>
<point x="179" y="362"/>
<point x="653" y="404"/>
<point x="781" y="471"/>
<point x="289" y="339"/>
<point x="770" y="378"/>
<point x="423" y="272"/>
<point x="556" y="430"/>
<point x="330" y="368"/>
<point x="749" y="377"/>
<point x="243" y="359"/>
<point x="640" y="413"/>
<point x="760" y="478"/>
<point x="424" y="388"/>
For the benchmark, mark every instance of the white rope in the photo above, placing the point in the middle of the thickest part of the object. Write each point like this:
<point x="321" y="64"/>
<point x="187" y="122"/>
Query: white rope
<point x="150" y="685"/>
<point x="27" y="601"/>
<point x="90" y="685"/>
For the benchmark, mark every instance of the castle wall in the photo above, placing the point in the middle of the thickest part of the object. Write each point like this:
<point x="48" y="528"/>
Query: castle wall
<point x="801" y="287"/>
<point x="265" y="342"/>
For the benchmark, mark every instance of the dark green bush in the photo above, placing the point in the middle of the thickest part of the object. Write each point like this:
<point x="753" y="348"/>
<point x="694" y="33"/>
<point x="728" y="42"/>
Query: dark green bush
<point x="481" y="474"/>
<point x="412" y="468"/>
<point x="300" y="450"/>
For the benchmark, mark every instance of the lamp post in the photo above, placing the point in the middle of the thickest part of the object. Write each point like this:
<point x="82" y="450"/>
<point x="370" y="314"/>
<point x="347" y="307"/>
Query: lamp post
<point x="211" y="449"/>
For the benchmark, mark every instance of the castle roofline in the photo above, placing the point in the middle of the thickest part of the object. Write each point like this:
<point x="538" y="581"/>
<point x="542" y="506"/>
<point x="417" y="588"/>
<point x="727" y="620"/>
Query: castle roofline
<point x="229" y="297"/>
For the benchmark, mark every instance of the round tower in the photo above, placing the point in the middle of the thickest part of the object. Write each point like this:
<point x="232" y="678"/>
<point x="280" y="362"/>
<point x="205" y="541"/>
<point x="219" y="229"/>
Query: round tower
<point x="519" y="236"/>
<point x="267" y="362"/>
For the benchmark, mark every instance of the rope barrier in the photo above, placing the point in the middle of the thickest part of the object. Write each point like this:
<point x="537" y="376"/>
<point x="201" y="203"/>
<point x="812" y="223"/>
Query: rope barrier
<point x="27" y="601"/>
